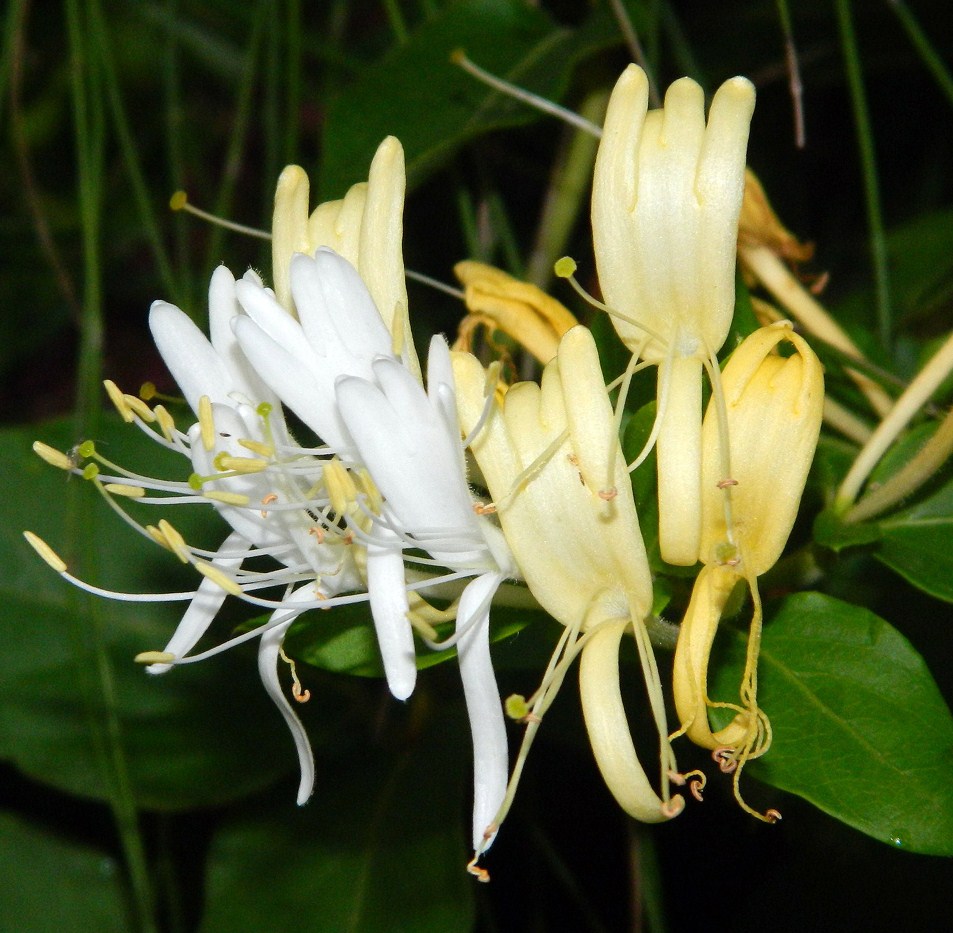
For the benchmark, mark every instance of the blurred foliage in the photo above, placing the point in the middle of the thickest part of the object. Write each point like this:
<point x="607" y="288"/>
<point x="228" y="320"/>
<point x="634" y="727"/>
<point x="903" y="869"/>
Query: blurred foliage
<point x="165" y="804"/>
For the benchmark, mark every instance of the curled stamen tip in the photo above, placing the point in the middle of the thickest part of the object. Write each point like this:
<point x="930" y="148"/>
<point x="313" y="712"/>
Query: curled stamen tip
<point x="155" y="657"/>
<point x="608" y="494"/>
<point x="724" y="758"/>
<point x="565" y="267"/>
<point x="673" y="806"/>
<point x="697" y="787"/>
<point x="481" y="874"/>
<point x="772" y="816"/>
<point x="482" y="509"/>
<point x="45" y="551"/>
<point x="302" y="696"/>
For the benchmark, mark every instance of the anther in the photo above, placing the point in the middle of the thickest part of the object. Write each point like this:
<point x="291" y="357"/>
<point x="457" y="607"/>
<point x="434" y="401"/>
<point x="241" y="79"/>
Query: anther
<point x="53" y="456"/>
<point x="725" y="483"/>
<point x="608" y="494"/>
<point x="673" y="806"/>
<point x="772" y="816"/>
<point x="175" y="541"/>
<point x="217" y="575"/>
<point x="139" y="407"/>
<point x="165" y="420"/>
<point x="227" y="498"/>
<point x="481" y="509"/>
<point x="45" y="551"/>
<point x="206" y="423"/>
<point x="257" y="447"/>
<point x="125" y="489"/>
<point x="267" y="500"/>
<point x="154" y="657"/>
<point x="318" y="532"/>
<point x="118" y="400"/>
<point x="229" y="464"/>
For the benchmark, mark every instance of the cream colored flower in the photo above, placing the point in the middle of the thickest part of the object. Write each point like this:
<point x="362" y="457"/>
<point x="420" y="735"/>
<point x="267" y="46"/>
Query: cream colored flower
<point x="545" y="457"/>
<point x="666" y="197"/>
<point x="365" y="227"/>
<point x="756" y="457"/>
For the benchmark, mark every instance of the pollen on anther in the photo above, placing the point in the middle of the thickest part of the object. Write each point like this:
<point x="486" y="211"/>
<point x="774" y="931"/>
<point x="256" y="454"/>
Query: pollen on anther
<point x="52" y="456"/>
<point x="118" y="400"/>
<point x="608" y="494"/>
<point x="268" y="500"/>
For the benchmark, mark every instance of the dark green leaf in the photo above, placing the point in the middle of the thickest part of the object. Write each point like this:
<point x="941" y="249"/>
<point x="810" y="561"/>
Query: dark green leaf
<point x="199" y="735"/>
<point x="417" y="94"/>
<point x="380" y="847"/>
<point x="51" y="885"/>
<point x="860" y="727"/>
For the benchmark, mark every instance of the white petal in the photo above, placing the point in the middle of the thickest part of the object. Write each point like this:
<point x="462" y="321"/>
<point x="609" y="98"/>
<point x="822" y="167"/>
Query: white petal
<point x="388" y="595"/>
<point x="202" y="610"/>
<point x="194" y="364"/>
<point x="487" y="724"/>
<point x="268" y="669"/>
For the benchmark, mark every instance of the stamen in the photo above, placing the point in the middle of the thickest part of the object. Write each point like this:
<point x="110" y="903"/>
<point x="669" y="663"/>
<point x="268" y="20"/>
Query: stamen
<point x="166" y="422"/>
<point x="257" y="447"/>
<point x="154" y="657"/>
<point x="458" y="57"/>
<point x="217" y="575"/>
<point x="124" y="489"/>
<point x="45" y="551"/>
<point x="301" y="695"/>
<point x="481" y="874"/>
<point x="139" y="407"/>
<point x="53" y="457"/>
<point x="175" y="541"/>
<point x="240" y="465"/>
<point x="118" y="400"/>
<point x="206" y="423"/>
<point x="267" y="500"/>
<point x="228" y="498"/>
<point x="180" y="202"/>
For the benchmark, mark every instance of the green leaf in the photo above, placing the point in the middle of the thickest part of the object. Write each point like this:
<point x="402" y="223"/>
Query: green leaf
<point x="916" y="541"/>
<point x="417" y="94"/>
<point x="52" y="885"/>
<point x="380" y="847"/>
<point x="200" y="735"/>
<point x="860" y="727"/>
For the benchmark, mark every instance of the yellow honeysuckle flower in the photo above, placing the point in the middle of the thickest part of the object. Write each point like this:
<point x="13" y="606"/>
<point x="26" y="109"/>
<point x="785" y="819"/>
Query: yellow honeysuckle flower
<point x="365" y="227"/>
<point x="544" y="455"/>
<point x="666" y="197"/>
<point x="756" y="457"/>
<point x="521" y="310"/>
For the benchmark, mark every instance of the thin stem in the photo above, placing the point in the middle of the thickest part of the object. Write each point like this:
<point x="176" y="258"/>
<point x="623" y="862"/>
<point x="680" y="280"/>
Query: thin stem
<point x="87" y="97"/>
<point x="292" y="81"/>
<point x="865" y="143"/>
<point x="922" y="44"/>
<point x="396" y="19"/>
<point x="631" y="37"/>
<point x="794" y="72"/>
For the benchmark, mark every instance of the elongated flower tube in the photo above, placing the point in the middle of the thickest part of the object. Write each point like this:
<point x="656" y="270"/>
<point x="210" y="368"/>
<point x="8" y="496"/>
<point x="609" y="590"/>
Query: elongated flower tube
<point x="577" y="542"/>
<point x="757" y="454"/>
<point x="365" y="227"/>
<point x="409" y="440"/>
<point x="666" y="197"/>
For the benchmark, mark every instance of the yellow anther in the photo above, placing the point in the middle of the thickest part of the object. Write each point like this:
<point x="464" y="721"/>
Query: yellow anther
<point x="155" y="657"/>
<point x="119" y="400"/>
<point x="217" y="575"/>
<point x="371" y="491"/>
<point x="340" y="485"/>
<point x="165" y="420"/>
<point x="206" y="423"/>
<point x="229" y="464"/>
<point x="53" y="456"/>
<point x="158" y="537"/>
<point x="228" y="498"/>
<point x="45" y="551"/>
<point x="257" y="447"/>
<point x="175" y="541"/>
<point x="140" y="408"/>
<point x="124" y="489"/>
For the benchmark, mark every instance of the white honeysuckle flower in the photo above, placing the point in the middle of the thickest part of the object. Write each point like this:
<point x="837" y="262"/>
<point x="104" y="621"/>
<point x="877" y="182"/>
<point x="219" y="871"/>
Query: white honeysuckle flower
<point x="365" y="227"/>
<point x="667" y="193"/>
<point x="545" y="455"/>
<point x="271" y="491"/>
<point x="409" y="441"/>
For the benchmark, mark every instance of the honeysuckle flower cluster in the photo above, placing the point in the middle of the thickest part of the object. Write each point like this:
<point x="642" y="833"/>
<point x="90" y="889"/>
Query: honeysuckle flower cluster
<point x="379" y="508"/>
